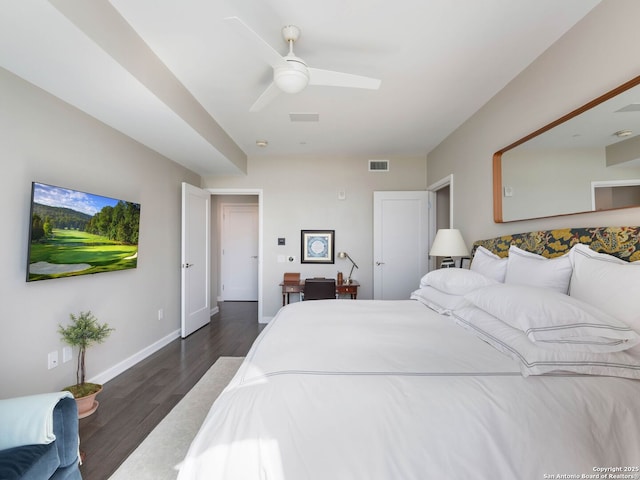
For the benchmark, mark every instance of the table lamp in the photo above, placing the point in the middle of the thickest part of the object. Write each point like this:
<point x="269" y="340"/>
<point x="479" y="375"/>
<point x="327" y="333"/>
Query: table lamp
<point x="346" y="255"/>
<point x="448" y="243"/>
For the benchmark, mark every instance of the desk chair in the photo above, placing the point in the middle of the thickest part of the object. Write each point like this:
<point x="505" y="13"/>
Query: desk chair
<point x="319" y="288"/>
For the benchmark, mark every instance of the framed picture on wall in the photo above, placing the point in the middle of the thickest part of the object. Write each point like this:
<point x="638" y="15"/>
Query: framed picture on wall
<point x="73" y="233"/>
<point x="317" y="246"/>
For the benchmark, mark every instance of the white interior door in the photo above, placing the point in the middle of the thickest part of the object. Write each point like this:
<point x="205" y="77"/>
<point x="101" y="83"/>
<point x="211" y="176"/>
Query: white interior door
<point x="239" y="252"/>
<point x="400" y="243"/>
<point x="196" y="264"/>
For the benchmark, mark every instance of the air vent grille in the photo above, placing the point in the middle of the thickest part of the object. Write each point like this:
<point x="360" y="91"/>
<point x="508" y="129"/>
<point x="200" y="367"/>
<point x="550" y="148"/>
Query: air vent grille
<point x="304" y="117"/>
<point x="378" y="165"/>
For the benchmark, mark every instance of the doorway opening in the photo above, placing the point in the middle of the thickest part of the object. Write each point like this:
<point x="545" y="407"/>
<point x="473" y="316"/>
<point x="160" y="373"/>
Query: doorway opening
<point x="611" y="194"/>
<point x="441" y="211"/>
<point x="238" y="202"/>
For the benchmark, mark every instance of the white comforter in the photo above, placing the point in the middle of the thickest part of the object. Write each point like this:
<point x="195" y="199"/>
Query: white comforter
<point x="392" y="390"/>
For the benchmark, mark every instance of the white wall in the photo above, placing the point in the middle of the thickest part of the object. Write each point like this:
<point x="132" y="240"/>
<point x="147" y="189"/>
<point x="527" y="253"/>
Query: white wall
<point x="301" y="193"/>
<point x="43" y="139"/>
<point x="587" y="62"/>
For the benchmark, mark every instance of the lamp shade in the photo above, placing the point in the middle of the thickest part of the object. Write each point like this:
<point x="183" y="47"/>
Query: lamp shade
<point x="449" y="243"/>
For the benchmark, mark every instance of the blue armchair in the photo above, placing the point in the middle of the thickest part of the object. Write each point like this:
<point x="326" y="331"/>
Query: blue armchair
<point x="39" y="437"/>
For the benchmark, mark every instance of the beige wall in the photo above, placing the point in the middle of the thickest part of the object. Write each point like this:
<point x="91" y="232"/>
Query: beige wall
<point x="43" y="139"/>
<point x="302" y="194"/>
<point x="625" y="152"/>
<point x="592" y="58"/>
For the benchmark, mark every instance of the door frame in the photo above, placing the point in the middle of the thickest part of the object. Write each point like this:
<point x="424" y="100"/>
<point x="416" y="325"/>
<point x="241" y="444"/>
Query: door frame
<point x="433" y="227"/>
<point x="259" y="193"/>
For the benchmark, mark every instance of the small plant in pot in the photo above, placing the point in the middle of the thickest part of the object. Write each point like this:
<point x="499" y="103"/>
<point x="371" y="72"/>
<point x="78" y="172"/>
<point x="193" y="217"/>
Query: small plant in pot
<point x="84" y="331"/>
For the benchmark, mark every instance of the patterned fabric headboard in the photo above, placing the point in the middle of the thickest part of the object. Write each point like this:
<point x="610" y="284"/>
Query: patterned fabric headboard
<point x="622" y="242"/>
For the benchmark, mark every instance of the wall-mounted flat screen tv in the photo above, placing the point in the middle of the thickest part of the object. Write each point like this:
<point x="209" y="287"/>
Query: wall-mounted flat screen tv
<point x="76" y="233"/>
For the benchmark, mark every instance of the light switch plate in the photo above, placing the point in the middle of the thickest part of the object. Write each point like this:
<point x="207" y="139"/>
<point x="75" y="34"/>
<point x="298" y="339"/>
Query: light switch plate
<point x="52" y="360"/>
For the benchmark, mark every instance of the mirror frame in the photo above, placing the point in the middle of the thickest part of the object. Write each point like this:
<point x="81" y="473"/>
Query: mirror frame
<point x="497" y="157"/>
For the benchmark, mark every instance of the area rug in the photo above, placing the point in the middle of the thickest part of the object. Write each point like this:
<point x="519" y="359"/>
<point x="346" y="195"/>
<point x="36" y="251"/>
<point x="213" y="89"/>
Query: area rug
<point x="158" y="456"/>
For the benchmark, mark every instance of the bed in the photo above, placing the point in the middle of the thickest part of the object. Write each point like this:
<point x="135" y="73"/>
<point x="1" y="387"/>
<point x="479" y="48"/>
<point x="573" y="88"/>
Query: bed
<point x="475" y="376"/>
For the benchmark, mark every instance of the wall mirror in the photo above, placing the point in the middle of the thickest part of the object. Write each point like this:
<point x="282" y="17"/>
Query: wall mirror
<point x="585" y="161"/>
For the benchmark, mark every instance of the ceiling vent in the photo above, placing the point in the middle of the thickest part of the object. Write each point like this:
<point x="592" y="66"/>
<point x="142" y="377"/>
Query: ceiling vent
<point x="304" y="117"/>
<point x="378" y="165"/>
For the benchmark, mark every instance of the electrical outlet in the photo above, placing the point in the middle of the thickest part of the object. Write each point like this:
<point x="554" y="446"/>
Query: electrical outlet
<point x="66" y="354"/>
<point x="52" y="360"/>
<point x="160" y="314"/>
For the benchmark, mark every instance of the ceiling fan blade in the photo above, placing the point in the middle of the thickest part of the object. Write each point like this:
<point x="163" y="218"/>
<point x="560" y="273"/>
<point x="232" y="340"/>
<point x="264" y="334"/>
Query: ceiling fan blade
<point x="267" y="96"/>
<point x="262" y="48"/>
<point x="339" y="79"/>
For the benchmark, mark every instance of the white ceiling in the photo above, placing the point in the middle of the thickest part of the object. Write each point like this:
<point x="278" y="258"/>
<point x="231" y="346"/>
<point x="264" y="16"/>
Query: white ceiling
<point x="439" y="62"/>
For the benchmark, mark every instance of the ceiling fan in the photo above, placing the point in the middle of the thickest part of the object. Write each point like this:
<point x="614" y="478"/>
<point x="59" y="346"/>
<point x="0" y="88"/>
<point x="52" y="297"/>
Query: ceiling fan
<point x="290" y="73"/>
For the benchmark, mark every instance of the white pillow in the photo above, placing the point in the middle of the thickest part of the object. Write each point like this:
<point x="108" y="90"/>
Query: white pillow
<point x="455" y="281"/>
<point x="612" y="287"/>
<point x="537" y="360"/>
<point x="526" y="268"/>
<point x="441" y="302"/>
<point x="489" y="264"/>
<point x="555" y="320"/>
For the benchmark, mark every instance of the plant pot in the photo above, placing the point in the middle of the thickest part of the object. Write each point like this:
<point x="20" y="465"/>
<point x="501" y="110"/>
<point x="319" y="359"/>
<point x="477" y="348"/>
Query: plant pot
<point x="87" y="404"/>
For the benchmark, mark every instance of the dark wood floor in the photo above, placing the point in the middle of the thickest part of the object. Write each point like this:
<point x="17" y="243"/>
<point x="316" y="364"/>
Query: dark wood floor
<point x="133" y="403"/>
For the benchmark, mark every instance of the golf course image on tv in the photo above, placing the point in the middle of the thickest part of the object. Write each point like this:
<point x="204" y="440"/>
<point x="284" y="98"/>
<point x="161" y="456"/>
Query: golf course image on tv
<point x="76" y="233"/>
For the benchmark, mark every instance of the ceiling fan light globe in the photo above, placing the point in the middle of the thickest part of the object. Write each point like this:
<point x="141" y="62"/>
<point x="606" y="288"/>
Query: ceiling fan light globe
<point x="291" y="81"/>
<point x="293" y="78"/>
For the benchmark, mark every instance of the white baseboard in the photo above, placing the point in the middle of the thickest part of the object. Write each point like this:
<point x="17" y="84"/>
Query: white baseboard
<point x="265" y="319"/>
<point x="127" y="363"/>
<point x="214" y="310"/>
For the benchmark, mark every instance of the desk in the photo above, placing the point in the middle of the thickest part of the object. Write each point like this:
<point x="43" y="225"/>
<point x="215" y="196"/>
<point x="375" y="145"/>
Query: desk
<point x="344" y="289"/>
